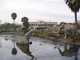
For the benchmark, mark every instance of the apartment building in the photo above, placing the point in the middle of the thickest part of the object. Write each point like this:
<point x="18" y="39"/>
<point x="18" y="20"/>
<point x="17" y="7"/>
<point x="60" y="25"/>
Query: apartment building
<point x="42" y="25"/>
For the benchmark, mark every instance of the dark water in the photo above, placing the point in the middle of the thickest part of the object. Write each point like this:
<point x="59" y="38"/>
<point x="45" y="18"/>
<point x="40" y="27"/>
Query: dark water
<point x="40" y="49"/>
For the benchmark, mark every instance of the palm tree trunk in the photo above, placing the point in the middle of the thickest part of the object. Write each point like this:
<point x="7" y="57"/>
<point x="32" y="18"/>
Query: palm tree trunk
<point x="14" y="25"/>
<point x="76" y="23"/>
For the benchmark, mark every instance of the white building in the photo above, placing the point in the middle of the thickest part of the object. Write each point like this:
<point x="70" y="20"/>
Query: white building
<point x="42" y="25"/>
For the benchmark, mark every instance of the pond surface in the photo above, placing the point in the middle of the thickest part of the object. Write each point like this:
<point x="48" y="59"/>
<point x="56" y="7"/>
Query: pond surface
<point x="40" y="49"/>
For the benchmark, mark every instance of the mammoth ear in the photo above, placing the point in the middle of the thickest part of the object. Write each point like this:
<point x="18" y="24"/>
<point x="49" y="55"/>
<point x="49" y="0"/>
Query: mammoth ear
<point x="24" y="19"/>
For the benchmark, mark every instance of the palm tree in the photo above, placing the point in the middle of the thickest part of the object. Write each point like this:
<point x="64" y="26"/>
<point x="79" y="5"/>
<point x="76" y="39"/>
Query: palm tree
<point x="14" y="15"/>
<point x="74" y="5"/>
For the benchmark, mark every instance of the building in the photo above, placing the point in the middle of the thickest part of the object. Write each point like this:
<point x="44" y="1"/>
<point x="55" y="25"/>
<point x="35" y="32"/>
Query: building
<point x="42" y="25"/>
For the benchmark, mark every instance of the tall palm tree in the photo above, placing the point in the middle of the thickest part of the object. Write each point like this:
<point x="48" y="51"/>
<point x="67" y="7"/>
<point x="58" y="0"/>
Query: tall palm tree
<point x="14" y="16"/>
<point x="74" y="5"/>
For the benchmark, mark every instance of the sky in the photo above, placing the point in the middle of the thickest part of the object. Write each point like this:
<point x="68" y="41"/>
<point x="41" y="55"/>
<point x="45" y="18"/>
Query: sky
<point x="36" y="10"/>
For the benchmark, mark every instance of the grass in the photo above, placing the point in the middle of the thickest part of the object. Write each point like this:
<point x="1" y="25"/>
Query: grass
<point x="47" y="34"/>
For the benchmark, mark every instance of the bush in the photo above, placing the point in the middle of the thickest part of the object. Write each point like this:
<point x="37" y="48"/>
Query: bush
<point x="61" y="32"/>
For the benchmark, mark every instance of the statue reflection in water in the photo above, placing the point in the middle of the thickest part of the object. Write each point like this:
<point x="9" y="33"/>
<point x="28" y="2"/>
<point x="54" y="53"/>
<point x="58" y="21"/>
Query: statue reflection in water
<point x="25" y="48"/>
<point x="69" y="52"/>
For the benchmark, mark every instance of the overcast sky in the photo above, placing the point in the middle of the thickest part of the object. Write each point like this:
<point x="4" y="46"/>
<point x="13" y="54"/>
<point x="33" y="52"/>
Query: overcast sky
<point x="46" y="10"/>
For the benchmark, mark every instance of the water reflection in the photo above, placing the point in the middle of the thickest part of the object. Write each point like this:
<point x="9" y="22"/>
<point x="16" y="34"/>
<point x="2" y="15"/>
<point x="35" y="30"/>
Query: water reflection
<point x="40" y="48"/>
<point x="70" y="51"/>
<point x="25" y="49"/>
<point x="14" y="51"/>
<point x="0" y="42"/>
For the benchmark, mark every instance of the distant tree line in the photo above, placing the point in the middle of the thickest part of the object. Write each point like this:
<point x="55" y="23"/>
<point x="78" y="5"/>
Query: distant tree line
<point x="7" y="27"/>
